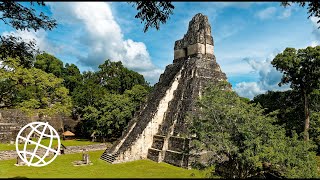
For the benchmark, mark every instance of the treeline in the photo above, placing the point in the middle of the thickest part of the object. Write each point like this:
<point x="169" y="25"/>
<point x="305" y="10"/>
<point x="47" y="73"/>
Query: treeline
<point x="287" y="106"/>
<point x="105" y="100"/>
<point x="276" y="135"/>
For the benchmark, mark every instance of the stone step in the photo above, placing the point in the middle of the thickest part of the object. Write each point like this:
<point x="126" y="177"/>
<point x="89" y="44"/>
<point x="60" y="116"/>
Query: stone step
<point x="153" y="154"/>
<point x="108" y="157"/>
<point x="157" y="142"/>
<point x="176" y="158"/>
<point x="174" y="151"/>
<point x="155" y="149"/>
<point x="160" y="136"/>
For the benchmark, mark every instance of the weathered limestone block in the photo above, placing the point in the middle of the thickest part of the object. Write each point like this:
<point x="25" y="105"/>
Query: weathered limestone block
<point x="197" y="48"/>
<point x="197" y="40"/>
<point x="154" y="154"/>
<point x="209" y="49"/>
<point x="180" y="53"/>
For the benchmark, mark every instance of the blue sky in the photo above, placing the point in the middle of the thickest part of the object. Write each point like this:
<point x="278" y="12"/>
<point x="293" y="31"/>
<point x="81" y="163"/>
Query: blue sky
<point x="247" y="36"/>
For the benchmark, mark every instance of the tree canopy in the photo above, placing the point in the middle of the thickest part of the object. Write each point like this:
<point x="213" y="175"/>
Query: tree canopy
<point x="107" y="99"/>
<point x="49" y="64"/>
<point x="22" y="18"/>
<point x="25" y="18"/>
<point x="288" y="108"/>
<point x="300" y="68"/>
<point x="244" y="142"/>
<point x="32" y="88"/>
<point x="153" y="13"/>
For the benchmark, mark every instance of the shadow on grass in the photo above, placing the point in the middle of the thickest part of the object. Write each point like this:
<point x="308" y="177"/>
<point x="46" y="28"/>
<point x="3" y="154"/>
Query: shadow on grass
<point x="82" y="139"/>
<point x="18" y="177"/>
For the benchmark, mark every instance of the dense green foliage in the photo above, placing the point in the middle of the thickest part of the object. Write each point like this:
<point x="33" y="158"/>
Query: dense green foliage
<point x="244" y="141"/>
<point x="49" y="64"/>
<point x="72" y="76"/>
<point x="114" y="77"/>
<point x="288" y="108"/>
<point x="301" y="68"/>
<point x="20" y="17"/>
<point x="110" y="114"/>
<point x="25" y="18"/>
<point x="107" y="99"/>
<point x="32" y="88"/>
<point x="104" y="100"/>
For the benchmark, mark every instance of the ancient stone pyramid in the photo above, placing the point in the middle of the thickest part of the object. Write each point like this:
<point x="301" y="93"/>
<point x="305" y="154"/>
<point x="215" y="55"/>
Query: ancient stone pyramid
<point x="159" y="131"/>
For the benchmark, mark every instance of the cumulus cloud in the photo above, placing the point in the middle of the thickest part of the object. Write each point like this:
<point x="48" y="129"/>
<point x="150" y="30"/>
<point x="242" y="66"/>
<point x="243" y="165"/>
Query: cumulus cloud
<point x="266" y="13"/>
<point x="40" y="37"/>
<point x="316" y="30"/>
<point x="248" y="89"/>
<point x="103" y="38"/>
<point x="269" y="78"/>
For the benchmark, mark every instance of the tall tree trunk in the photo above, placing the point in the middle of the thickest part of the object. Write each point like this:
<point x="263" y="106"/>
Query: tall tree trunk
<point x="307" y="116"/>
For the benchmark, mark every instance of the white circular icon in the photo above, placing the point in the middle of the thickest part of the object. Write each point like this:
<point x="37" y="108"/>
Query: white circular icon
<point x="40" y="151"/>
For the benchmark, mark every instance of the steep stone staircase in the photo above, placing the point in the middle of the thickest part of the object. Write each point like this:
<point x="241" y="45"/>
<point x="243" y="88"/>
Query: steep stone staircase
<point x="174" y="153"/>
<point x="108" y="157"/>
<point x="155" y="152"/>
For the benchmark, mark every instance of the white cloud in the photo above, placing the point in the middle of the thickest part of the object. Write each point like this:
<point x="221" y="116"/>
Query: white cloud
<point x="40" y="38"/>
<point x="248" y="89"/>
<point x="103" y="38"/>
<point x="269" y="78"/>
<point x="315" y="20"/>
<point x="316" y="30"/>
<point x="286" y="13"/>
<point x="266" y="13"/>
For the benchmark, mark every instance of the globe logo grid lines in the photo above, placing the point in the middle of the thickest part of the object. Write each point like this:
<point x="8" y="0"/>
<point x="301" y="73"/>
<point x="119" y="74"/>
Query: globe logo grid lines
<point x="35" y="126"/>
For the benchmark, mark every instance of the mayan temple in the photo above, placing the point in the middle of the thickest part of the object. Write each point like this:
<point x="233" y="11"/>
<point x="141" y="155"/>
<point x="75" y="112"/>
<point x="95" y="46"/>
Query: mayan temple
<point x="159" y="131"/>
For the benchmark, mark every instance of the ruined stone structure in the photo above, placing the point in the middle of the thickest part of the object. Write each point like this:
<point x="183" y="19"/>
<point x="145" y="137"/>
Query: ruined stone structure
<point x="159" y="131"/>
<point x="8" y="132"/>
<point x="12" y="120"/>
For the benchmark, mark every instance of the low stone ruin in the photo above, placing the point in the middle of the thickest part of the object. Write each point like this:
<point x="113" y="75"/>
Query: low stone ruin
<point x="20" y="162"/>
<point x="12" y="120"/>
<point x="85" y="160"/>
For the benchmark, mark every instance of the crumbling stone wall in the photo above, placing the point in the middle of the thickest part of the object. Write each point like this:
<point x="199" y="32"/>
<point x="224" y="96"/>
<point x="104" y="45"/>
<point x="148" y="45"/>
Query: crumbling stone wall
<point x="12" y="120"/>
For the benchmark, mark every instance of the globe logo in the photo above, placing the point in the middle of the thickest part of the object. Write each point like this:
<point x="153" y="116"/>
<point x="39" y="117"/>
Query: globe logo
<point x="42" y="131"/>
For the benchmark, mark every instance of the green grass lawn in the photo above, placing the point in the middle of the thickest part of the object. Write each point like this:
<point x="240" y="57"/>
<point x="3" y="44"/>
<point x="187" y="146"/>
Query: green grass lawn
<point x="76" y="142"/>
<point x="62" y="167"/>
